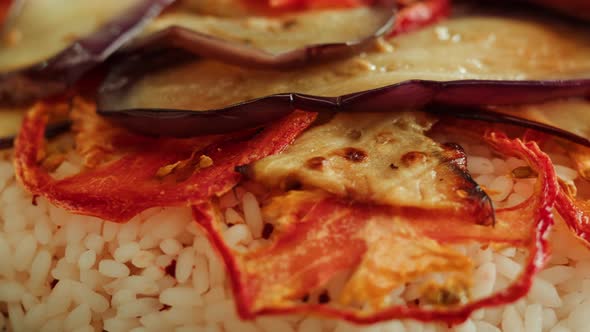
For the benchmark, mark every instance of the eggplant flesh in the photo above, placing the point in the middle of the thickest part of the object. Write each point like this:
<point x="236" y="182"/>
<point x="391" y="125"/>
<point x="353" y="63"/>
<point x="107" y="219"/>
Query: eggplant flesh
<point x="466" y="60"/>
<point x="271" y="42"/>
<point x="52" y="43"/>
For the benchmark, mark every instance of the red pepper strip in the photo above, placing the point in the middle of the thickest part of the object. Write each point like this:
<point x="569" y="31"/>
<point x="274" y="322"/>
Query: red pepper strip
<point x="5" y="6"/>
<point x="121" y="189"/>
<point x="575" y="213"/>
<point x="320" y="237"/>
<point x="420" y="14"/>
<point x="411" y="16"/>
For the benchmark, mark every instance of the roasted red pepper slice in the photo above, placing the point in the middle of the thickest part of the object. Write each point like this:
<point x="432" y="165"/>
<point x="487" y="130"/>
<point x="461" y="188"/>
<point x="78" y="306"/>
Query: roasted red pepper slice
<point x="412" y="15"/>
<point x="145" y="175"/>
<point x="5" y="6"/>
<point x="575" y="213"/>
<point x="319" y="236"/>
<point x="420" y="14"/>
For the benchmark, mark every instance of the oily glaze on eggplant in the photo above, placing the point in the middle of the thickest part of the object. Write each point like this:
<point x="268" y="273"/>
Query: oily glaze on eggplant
<point x="508" y="59"/>
<point x="51" y="44"/>
<point x="287" y="40"/>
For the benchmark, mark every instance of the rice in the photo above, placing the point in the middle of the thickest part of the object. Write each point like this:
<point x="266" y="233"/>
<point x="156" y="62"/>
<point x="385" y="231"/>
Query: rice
<point x="61" y="272"/>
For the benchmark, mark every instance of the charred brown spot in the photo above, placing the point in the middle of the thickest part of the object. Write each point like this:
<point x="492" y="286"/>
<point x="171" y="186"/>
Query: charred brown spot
<point x="53" y="283"/>
<point x="288" y="24"/>
<point x="444" y="297"/>
<point x="413" y="157"/>
<point x="324" y="297"/>
<point x="393" y="166"/>
<point x="315" y="163"/>
<point x="165" y="307"/>
<point x="305" y="298"/>
<point x="353" y="154"/>
<point x="171" y="269"/>
<point x="34" y="200"/>
<point x="292" y="183"/>
<point x="267" y="230"/>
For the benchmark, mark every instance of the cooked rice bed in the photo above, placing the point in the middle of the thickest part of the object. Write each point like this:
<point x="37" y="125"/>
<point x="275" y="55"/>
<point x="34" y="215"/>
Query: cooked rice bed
<point x="62" y="272"/>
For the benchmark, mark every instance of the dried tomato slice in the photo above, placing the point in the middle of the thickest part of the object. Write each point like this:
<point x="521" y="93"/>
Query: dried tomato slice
<point x="318" y="236"/>
<point x="145" y="174"/>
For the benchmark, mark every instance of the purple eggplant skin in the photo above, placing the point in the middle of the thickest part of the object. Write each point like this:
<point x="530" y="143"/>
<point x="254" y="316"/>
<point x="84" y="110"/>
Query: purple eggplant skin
<point x="56" y="74"/>
<point x="409" y="94"/>
<point x="51" y="131"/>
<point x="200" y="44"/>
<point x="485" y="115"/>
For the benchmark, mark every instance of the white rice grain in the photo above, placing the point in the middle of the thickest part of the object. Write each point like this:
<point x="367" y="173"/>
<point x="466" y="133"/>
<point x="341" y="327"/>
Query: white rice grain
<point x="122" y="296"/>
<point x="113" y="269"/>
<point x="94" y="242"/>
<point x="183" y="315"/>
<point x="237" y="234"/>
<point x="533" y="318"/>
<point x="467" y="326"/>
<point x="500" y="188"/>
<point x="109" y="231"/>
<point x="39" y="270"/>
<point x="153" y="272"/>
<point x="272" y="324"/>
<point x="507" y="267"/>
<point x="201" y="274"/>
<point x="6" y="265"/>
<point x="219" y="311"/>
<point x="180" y="296"/>
<point x="549" y="319"/>
<point x="35" y="317"/>
<point x="93" y="279"/>
<point x="486" y="276"/>
<point x="24" y="253"/>
<point x="73" y="252"/>
<point x="511" y="320"/>
<point x="544" y="293"/>
<point x="170" y="246"/>
<point x="310" y="325"/>
<point x="77" y="318"/>
<point x="120" y="324"/>
<point x="252" y="214"/>
<point x="143" y="259"/>
<point x="142" y="285"/>
<point x="126" y="252"/>
<point x="578" y="318"/>
<point x="75" y="231"/>
<point x="28" y="300"/>
<point x="138" y="308"/>
<point x="16" y="316"/>
<point x="565" y="173"/>
<point x="11" y="291"/>
<point x="479" y="165"/>
<point x="87" y="259"/>
<point x="87" y="328"/>
<point x="483" y="326"/>
<point x="42" y="231"/>
<point x="184" y="265"/>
